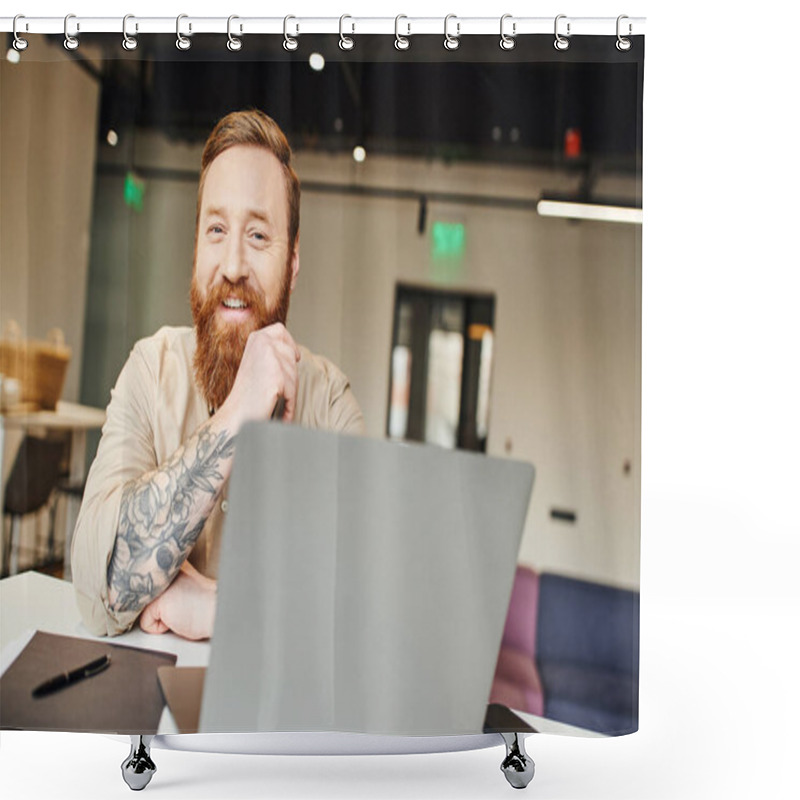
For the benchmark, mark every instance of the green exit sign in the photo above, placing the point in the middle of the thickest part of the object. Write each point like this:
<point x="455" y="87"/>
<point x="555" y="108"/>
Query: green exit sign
<point x="447" y="240"/>
<point x="134" y="191"/>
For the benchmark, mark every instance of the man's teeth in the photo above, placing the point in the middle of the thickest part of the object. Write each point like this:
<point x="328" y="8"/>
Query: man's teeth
<point x="234" y="304"/>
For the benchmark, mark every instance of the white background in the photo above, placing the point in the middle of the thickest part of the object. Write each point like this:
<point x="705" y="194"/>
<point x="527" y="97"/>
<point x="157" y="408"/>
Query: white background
<point x="720" y="692"/>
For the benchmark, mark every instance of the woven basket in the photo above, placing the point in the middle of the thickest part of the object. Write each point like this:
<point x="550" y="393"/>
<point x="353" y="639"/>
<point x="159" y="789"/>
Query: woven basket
<point x="40" y="367"/>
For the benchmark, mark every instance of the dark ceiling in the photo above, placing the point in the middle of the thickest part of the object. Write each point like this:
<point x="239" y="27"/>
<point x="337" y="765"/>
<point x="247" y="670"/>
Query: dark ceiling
<point x="477" y="103"/>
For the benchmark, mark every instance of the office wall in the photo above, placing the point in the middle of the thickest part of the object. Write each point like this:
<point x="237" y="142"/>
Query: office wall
<point x="47" y="155"/>
<point x="565" y="389"/>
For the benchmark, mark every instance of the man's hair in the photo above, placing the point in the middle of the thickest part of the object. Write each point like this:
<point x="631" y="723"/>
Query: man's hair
<point x="254" y="127"/>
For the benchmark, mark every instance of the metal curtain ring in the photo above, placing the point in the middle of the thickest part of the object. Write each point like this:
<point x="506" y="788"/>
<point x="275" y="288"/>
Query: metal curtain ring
<point x="623" y="44"/>
<point x="19" y="43"/>
<point x="451" y="42"/>
<point x="401" y="42"/>
<point x="129" y="42"/>
<point x="561" y="42"/>
<point x="346" y="42"/>
<point x="182" y="42"/>
<point x="70" y="42"/>
<point x="507" y="42"/>
<point x="289" y="42"/>
<point x="234" y="43"/>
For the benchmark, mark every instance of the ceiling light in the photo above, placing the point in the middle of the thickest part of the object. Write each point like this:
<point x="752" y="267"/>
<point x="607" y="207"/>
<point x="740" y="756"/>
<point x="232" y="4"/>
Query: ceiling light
<point x="604" y="212"/>
<point x="112" y="138"/>
<point x="359" y="154"/>
<point x="12" y="55"/>
<point x="317" y="62"/>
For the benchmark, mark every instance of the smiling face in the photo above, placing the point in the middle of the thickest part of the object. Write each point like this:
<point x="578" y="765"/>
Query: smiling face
<point x="244" y="269"/>
<point x="242" y="235"/>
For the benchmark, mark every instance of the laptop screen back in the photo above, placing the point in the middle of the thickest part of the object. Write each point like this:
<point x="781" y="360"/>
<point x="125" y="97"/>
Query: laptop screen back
<point x="363" y="585"/>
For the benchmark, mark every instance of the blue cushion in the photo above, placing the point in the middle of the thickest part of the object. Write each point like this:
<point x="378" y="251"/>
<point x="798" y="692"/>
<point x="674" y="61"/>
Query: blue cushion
<point x="589" y="697"/>
<point x="590" y="718"/>
<point x="588" y="623"/>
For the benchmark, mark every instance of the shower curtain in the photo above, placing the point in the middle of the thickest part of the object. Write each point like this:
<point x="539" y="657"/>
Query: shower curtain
<point x="460" y="271"/>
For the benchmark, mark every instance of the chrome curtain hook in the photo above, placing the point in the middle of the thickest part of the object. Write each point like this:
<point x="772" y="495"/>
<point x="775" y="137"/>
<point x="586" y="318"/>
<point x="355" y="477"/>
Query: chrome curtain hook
<point x="289" y="42"/>
<point x="70" y="42"/>
<point x="451" y="42"/>
<point x="234" y="43"/>
<point x="19" y="43"/>
<point x="129" y="42"/>
<point x="623" y="44"/>
<point x="561" y="42"/>
<point x="507" y="42"/>
<point x="346" y="42"/>
<point x="182" y="42"/>
<point x="401" y="42"/>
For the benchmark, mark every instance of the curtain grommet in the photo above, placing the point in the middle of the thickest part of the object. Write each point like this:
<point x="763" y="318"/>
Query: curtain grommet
<point x="70" y="42"/>
<point x="623" y="44"/>
<point x="129" y="42"/>
<point x="561" y="42"/>
<point x="234" y="42"/>
<point x="182" y="42"/>
<point x="451" y="42"/>
<point x="507" y="41"/>
<point x="401" y="42"/>
<point x="346" y="42"/>
<point x="19" y="44"/>
<point x="290" y="43"/>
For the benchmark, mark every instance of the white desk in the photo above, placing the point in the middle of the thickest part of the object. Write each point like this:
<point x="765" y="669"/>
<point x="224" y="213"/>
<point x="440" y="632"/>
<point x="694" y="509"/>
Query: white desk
<point x="31" y="601"/>
<point x="76" y="419"/>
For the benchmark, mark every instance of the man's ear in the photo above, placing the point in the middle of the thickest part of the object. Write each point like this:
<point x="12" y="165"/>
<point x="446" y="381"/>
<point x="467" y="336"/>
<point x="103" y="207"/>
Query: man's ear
<point x="295" y="263"/>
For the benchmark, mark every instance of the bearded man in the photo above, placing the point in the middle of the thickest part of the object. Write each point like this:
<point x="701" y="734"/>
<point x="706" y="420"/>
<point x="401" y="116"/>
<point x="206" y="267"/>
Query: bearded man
<point x="146" y="544"/>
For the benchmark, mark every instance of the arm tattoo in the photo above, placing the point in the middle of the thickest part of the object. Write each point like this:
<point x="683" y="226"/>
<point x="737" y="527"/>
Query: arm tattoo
<point x="161" y="516"/>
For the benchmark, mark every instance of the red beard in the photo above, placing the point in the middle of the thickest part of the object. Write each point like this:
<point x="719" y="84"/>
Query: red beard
<point x="220" y="345"/>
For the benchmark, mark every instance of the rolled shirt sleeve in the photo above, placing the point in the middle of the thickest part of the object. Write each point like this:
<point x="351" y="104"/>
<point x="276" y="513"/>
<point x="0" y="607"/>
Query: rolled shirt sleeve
<point x="125" y="452"/>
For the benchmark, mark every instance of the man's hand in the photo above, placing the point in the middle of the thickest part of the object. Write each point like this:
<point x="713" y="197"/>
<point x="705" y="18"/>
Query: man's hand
<point x="187" y="607"/>
<point x="268" y="371"/>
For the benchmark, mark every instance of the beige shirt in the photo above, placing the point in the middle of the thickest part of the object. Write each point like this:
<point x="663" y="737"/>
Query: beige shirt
<point x="155" y="407"/>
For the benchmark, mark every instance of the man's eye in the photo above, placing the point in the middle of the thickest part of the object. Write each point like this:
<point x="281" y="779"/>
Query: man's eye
<point x="216" y="229"/>
<point x="258" y="236"/>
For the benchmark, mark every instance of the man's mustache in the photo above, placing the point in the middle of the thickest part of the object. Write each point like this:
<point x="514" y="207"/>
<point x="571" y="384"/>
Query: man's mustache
<point x="241" y="291"/>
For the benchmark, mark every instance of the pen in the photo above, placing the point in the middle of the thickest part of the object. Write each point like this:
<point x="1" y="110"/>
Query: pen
<point x="68" y="678"/>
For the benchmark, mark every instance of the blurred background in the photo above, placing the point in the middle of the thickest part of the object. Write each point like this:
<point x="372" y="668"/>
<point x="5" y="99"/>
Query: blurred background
<point x="470" y="256"/>
<point x="462" y="315"/>
<point x="721" y="433"/>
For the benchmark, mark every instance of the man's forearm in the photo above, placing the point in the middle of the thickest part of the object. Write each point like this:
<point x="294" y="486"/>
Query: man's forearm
<point x="162" y="514"/>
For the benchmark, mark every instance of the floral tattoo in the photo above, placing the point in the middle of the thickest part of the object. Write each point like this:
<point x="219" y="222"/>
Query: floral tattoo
<point x="161" y="516"/>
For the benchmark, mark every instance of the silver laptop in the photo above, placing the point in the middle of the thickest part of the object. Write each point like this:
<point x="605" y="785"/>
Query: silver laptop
<point x="363" y="585"/>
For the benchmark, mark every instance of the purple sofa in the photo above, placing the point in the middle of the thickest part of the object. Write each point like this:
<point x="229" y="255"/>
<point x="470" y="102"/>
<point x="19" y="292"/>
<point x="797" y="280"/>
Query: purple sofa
<point x="516" y="680"/>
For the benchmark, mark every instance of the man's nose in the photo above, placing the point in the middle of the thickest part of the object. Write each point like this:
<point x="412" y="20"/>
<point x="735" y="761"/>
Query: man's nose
<point x="234" y="266"/>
